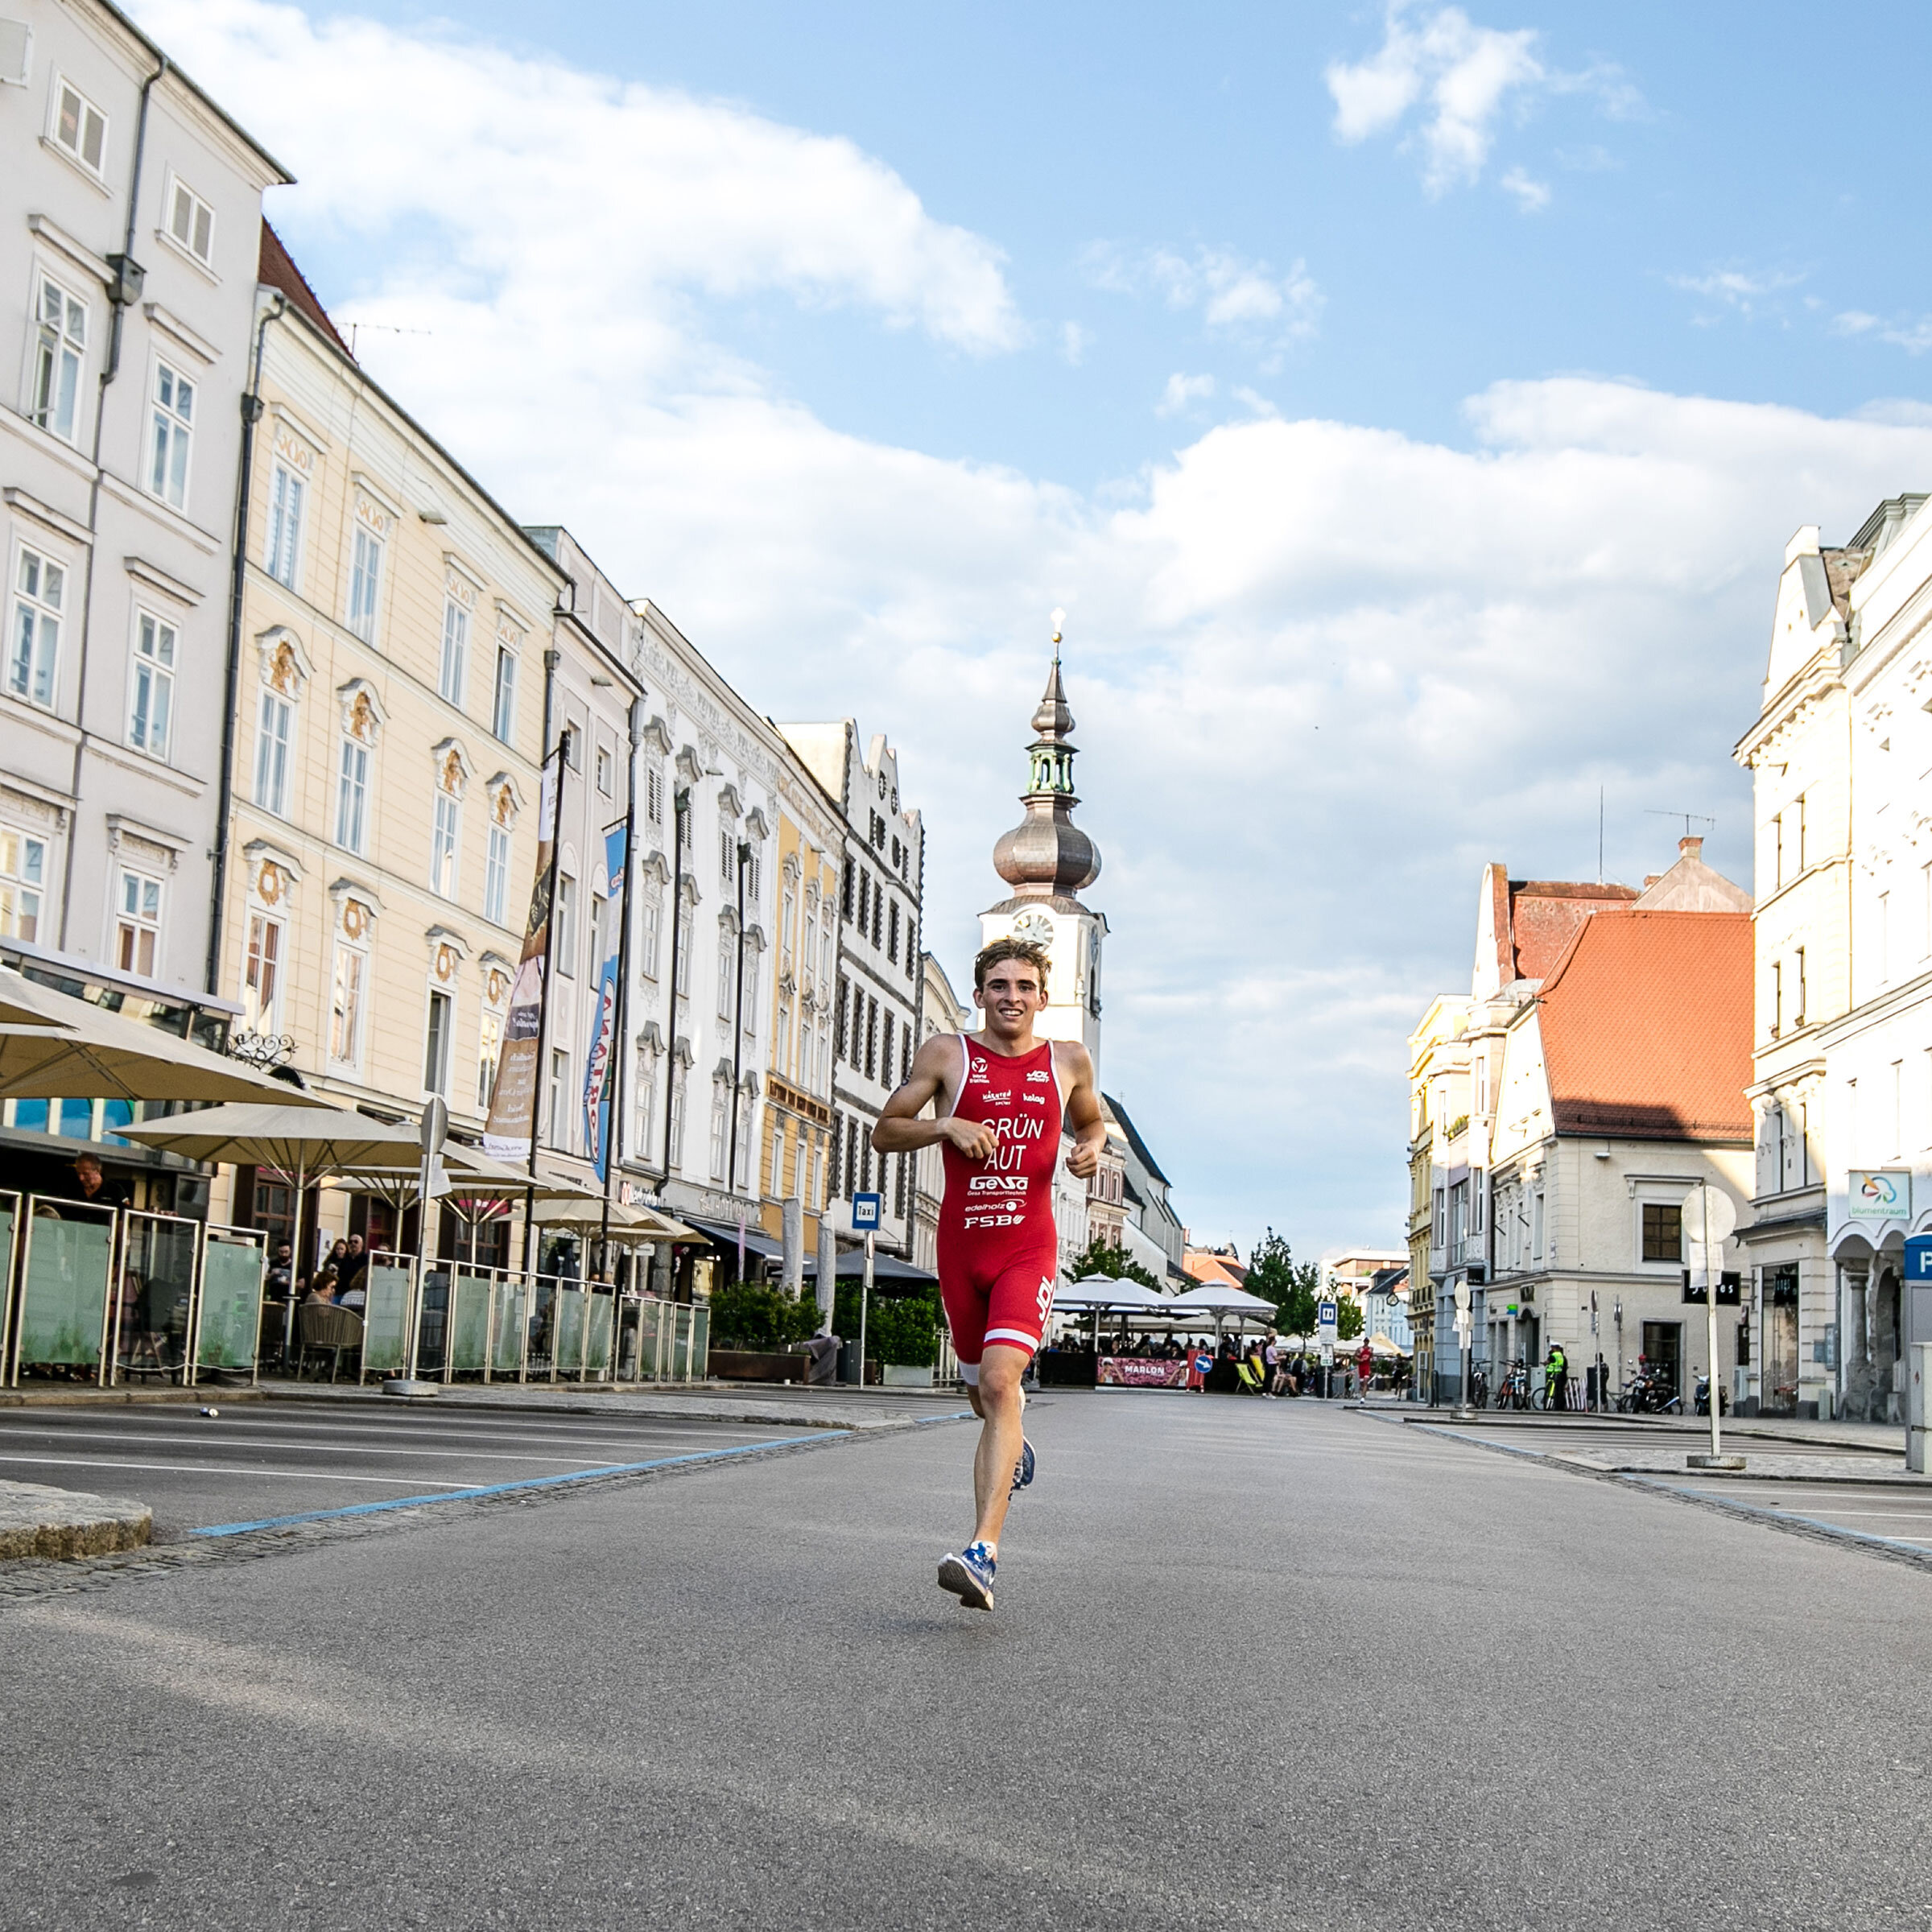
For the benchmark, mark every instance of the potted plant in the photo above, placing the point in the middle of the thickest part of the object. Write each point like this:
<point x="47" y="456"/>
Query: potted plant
<point x="904" y="1334"/>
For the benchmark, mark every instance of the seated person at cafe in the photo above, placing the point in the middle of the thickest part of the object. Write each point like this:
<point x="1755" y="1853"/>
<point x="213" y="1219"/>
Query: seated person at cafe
<point x="321" y="1288"/>
<point x="281" y="1274"/>
<point x="91" y="1185"/>
<point x="351" y="1269"/>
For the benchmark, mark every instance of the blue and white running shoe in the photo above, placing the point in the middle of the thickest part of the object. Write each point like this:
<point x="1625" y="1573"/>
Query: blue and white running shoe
<point x="970" y="1577"/>
<point x="1022" y="1470"/>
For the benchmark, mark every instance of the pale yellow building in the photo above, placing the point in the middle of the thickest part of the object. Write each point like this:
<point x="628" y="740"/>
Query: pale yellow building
<point x="399" y="636"/>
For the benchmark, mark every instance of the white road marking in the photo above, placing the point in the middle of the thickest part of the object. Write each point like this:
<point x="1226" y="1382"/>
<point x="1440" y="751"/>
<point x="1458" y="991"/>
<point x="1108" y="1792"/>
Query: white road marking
<point x="319" y="1476"/>
<point x="237" y="1441"/>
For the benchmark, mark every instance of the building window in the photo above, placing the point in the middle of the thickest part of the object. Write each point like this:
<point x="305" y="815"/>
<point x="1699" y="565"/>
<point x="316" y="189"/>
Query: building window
<point x="676" y="1155"/>
<point x="650" y="918"/>
<point x="285" y="496"/>
<point x="151" y="693"/>
<point x="723" y="978"/>
<point x="262" y="973"/>
<point x="892" y="935"/>
<point x="653" y="795"/>
<point x="22" y="879"/>
<point x="1777" y="998"/>
<point x="1798" y="1017"/>
<point x="558" y="1103"/>
<point x="781" y="1044"/>
<point x="347" y="996"/>
<point x="271" y="755"/>
<point x="435" y="1044"/>
<point x="600" y="911"/>
<point x="682" y="939"/>
<point x="865" y="920"/>
<point x="79" y="127"/>
<point x="34" y="644"/>
<point x="563" y="926"/>
<point x="1664" y="1232"/>
<point x="490" y="1049"/>
<point x="191" y="223"/>
<point x="496" y="876"/>
<point x="885" y="1049"/>
<point x="59" y="355"/>
<point x="647" y="1101"/>
<point x="442" y="842"/>
<point x="719" y="1114"/>
<point x="456" y="652"/>
<point x="872" y="1038"/>
<point x="171" y="435"/>
<point x="727" y="856"/>
<point x="138" y="923"/>
<point x="352" y="795"/>
<point x="912" y="950"/>
<point x="365" y="581"/>
<point x="843" y="1036"/>
<point x="602" y="769"/>
<point x="503" y="702"/>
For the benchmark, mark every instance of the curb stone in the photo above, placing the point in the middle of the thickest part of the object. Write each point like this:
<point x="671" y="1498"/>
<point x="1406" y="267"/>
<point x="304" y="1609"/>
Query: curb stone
<point x="64" y="1524"/>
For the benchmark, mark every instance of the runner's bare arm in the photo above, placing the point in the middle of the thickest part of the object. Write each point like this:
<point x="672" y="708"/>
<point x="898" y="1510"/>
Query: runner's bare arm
<point x="1084" y="1114"/>
<point x="900" y="1130"/>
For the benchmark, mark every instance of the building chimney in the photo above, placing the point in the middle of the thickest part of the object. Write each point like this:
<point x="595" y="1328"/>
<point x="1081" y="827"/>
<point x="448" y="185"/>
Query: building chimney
<point x="1690" y="848"/>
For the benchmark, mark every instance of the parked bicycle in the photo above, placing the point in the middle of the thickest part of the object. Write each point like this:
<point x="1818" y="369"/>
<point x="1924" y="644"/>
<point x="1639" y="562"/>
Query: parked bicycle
<point x="1513" y="1391"/>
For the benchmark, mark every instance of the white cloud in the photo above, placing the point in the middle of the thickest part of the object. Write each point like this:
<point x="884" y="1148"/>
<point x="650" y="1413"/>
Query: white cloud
<point x="1747" y="292"/>
<point x="1074" y="343"/>
<point x="1465" y="74"/>
<point x="1182" y="391"/>
<point x="644" y="190"/>
<point x="1531" y="196"/>
<point x="1323" y="671"/>
<point x="1914" y="337"/>
<point x="1233" y="293"/>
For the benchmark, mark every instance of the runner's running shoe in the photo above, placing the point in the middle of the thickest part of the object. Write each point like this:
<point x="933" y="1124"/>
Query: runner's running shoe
<point x="970" y="1577"/>
<point x="1022" y="1470"/>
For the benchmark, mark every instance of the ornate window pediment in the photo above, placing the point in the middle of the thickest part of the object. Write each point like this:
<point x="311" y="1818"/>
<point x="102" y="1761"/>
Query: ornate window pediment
<point x="283" y="664"/>
<point x="755" y="827"/>
<point x="357" y="908"/>
<point x="452" y="768"/>
<point x="363" y="716"/>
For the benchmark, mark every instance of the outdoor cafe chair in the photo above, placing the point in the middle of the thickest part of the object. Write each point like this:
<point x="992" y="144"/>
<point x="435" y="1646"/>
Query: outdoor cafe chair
<point x="323" y="1330"/>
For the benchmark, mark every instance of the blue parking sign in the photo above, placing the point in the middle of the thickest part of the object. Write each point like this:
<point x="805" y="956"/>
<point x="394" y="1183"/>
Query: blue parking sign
<point x="865" y="1211"/>
<point x="1918" y="1258"/>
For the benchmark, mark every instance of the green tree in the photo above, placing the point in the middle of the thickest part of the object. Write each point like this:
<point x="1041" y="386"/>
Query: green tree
<point x="1348" y="1317"/>
<point x="1294" y="1286"/>
<point x="755" y="1314"/>
<point x="1115" y="1263"/>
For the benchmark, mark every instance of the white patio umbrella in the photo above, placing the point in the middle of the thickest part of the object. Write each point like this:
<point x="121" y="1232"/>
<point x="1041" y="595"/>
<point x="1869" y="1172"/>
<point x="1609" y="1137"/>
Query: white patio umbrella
<point x="53" y="1047"/>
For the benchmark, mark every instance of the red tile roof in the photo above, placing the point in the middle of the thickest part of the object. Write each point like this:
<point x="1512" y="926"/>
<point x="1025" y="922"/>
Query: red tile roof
<point x="278" y="270"/>
<point x="1544" y="917"/>
<point x="1646" y="1026"/>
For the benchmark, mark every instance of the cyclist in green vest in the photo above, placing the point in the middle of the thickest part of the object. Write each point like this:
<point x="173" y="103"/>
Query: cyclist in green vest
<point x="1556" y="1372"/>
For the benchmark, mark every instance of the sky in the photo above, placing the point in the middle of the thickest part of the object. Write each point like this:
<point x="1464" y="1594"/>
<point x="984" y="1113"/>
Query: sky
<point x="1408" y="406"/>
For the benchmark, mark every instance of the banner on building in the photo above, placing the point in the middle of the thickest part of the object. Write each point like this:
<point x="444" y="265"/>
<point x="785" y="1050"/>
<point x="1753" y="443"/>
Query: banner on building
<point x="511" y="1128"/>
<point x="1879" y="1194"/>
<point x="597" y="1057"/>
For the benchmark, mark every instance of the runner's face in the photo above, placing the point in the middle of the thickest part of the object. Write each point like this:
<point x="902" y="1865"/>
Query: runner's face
<point x="1010" y="997"/>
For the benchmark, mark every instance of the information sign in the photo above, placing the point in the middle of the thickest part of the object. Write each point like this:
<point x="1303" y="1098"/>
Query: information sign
<point x="866" y="1209"/>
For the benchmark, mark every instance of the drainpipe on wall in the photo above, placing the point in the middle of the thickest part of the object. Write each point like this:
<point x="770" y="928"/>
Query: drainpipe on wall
<point x="251" y="415"/>
<point x="122" y="293"/>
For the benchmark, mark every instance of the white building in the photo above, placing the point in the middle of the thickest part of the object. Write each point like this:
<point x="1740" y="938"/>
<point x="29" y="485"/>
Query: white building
<point x="876" y="1013"/>
<point x="942" y="1012"/>
<point x="131" y="207"/>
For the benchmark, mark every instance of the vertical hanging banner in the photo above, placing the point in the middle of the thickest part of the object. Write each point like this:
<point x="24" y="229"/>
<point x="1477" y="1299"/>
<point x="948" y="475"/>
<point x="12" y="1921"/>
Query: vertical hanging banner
<point x="508" y="1133"/>
<point x="603" y="1027"/>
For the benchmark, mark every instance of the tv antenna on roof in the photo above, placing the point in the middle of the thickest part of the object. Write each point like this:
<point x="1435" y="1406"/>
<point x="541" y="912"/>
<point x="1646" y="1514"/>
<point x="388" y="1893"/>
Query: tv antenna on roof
<point x="1655" y="811"/>
<point x="382" y="328"/>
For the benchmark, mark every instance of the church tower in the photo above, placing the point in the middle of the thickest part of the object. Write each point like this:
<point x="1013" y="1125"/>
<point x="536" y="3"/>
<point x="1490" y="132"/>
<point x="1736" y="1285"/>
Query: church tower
<point x="1047" y="860"/>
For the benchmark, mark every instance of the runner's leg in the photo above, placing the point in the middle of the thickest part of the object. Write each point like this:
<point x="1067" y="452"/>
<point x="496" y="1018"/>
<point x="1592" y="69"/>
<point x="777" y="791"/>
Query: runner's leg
<point x="998" y="1400"/>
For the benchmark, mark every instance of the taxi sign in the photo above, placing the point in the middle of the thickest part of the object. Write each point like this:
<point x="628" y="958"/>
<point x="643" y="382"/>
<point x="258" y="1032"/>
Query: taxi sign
<point x="866" y="1209"/>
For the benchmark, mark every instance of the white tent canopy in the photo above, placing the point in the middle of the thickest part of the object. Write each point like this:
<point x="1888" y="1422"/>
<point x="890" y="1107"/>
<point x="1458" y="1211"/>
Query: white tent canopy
<point x="1099" y="1291"/>
<point x="1212" y="1298"/>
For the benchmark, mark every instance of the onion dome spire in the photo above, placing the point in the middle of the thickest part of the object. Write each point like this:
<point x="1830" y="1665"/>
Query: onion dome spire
<point x="1046" y="855"/>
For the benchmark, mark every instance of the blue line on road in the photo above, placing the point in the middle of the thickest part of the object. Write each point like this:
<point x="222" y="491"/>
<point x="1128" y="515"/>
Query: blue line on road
<point x="534" y="1482"/>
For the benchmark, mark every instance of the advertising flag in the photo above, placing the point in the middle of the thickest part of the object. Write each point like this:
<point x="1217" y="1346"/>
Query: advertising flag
<point x="511" y="1128"/>
<point x="603" y="1030"/>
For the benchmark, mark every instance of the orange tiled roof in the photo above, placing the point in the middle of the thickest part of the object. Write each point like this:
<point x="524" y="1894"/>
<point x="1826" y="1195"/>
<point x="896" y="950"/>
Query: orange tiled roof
<point x="1646" y="1026"/>
<point x="1214" y="1269"/>
<point x="277" y="268"/>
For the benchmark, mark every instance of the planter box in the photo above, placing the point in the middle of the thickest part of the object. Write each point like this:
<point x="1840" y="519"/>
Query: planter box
<point x="900" y="1375"/>
<point x="757" y="1366"/>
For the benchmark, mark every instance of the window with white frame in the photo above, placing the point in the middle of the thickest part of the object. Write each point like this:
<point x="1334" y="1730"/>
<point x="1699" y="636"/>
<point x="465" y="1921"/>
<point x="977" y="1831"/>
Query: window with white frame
<point x="647" y="1100"/>
<point x="191" y="222"/>
<point x="780" y="1043"/>
<point x="444" y="836"/>
<point x="60" y="360"/>
<point x="285" y="493"/>
<point x="150" y="701"/>
<point x="436" y="1027"/>
<point x="563" y="926"/>
<point x="22" y="879"/>
<point x="261" y="974"/>
<point x="728" y="856"/>
<point x="677" y="1117"/>
<point x="171" y="435"/>
<point x="352" y="795"/>
<point x="490" y="1050"/>
<point x="725" y="957"/>
<point x="79" y="128"/>
<point x="365" y="582"/>
<point x="651" y="915"/>
<point x="653" y="795"/>
<point x="603" y="768"/>
<point x="742" y="1170"/>
<point x="33" y="645"/>
<point x="720" y="1107"/>
<point x="456" y="652"/>
<point x="785" y="919"/>
<point x="138" y="923"/>
<point x="271" y="753"/>
<point x="496" y="876"/>
<point x="503" y="704"/>
<point x="349" y="999"/>
<point x="681" y="947"/>
<point x="558" y="1103"/>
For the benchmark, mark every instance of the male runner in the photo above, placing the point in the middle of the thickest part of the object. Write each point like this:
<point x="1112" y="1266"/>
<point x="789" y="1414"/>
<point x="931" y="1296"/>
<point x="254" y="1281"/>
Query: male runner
<point x="1002" y="1100"/>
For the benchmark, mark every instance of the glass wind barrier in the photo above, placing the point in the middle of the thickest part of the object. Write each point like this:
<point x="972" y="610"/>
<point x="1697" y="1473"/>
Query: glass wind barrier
<point x="60" y="1310"/>
<point x="390" y="1282"/>
<point x="228" y="1321"/>
<point x="155" y="1292"/>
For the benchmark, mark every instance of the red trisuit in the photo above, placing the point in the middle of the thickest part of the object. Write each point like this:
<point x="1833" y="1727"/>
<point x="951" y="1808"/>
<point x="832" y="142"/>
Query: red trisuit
<point x="998" y="1252"/>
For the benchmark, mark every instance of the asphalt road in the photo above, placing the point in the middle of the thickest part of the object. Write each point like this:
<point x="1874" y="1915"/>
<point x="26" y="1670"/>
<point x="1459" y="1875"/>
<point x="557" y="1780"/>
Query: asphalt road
<point x="1253" y="1664"/>
<point x="258" y="1460"/>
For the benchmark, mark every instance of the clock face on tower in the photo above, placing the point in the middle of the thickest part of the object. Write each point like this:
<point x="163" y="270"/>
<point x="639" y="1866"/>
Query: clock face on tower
<point x="1035" y="926"/>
